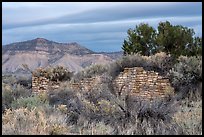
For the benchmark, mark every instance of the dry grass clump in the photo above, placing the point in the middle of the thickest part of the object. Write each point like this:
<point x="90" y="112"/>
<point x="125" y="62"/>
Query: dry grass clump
<point x="90" y="71"/>
<point x="58" y="73"/>
<point x="189" y="117"/>
<point x="33" y="122"/>
<point x="94" y="128"/>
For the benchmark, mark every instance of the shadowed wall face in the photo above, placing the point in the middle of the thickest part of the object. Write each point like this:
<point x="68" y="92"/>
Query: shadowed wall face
<point x="148" y="84"/>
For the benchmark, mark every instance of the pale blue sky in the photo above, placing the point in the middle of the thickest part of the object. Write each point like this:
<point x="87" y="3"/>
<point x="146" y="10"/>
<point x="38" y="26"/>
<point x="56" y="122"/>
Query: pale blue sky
<point x="99" y="26"/>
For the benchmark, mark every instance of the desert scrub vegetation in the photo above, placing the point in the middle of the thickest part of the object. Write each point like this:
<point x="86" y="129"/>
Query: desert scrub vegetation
<point x="100" y="106"/>
<point x="184" y="73"/>
<point x="24" y="81"/>
<point x="160" y="62"/>
<point x="100" y="111"/>
<point x="58" y="73"/>
<point x="23" y="121"/>
<point x="189" y="116"/>
<point x="11" y="93"/>
<point x="186" y="76"/>
<point x="29" y="102"/>
<point x="90" y="71"/>
<point x="9" y="79"/>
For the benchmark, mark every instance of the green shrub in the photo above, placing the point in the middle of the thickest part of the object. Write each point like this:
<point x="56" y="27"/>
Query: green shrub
<point x="7" y="97"/>
<point x="186" y="75"/>
<point x="29" y="102"/>
<point x="11" y="93"/>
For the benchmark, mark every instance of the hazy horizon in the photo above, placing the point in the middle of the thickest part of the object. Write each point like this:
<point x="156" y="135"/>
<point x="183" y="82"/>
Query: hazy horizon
<point x="98" y="26"/>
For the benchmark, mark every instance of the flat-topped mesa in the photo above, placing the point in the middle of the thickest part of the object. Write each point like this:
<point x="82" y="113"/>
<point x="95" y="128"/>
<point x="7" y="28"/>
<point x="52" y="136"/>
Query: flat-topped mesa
<point x="145" y="84"/>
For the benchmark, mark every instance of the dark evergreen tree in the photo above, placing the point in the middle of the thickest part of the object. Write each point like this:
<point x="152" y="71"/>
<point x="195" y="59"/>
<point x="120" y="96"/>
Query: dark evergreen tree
<point x="141" y="40"/>
<point x="175" y="40"/>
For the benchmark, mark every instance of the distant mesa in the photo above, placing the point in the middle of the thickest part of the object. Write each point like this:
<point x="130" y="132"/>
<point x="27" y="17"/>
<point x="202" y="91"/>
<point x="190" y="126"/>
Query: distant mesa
<point x="42" y="44"/>
<point x="41" y="52"/>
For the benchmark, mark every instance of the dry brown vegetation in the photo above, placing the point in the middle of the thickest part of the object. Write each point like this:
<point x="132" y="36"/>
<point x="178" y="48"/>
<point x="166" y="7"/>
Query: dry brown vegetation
<point x="99" y="111"/>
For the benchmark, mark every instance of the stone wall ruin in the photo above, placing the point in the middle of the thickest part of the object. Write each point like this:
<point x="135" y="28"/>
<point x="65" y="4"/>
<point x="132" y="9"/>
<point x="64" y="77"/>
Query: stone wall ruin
<point x="138" y="82"/>
<point x="133" y="81"/>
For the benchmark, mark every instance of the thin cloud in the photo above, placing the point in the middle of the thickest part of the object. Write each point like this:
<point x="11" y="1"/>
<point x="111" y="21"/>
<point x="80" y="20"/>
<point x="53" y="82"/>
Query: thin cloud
<point x="90" y="24"/>
<point x="119" y="11"/>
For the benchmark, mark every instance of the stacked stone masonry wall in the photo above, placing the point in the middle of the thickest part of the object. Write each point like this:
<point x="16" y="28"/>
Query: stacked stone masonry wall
<point x="133" y="81"/>
<point x="42" y="84"/>
<point x="39" y="84"/>
<point x="87" y="84"/>
<point x="138" y="82"/>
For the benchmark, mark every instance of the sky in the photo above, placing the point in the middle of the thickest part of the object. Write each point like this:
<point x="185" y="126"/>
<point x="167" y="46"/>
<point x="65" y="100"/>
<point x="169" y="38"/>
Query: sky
<point x="99" y="26"/>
